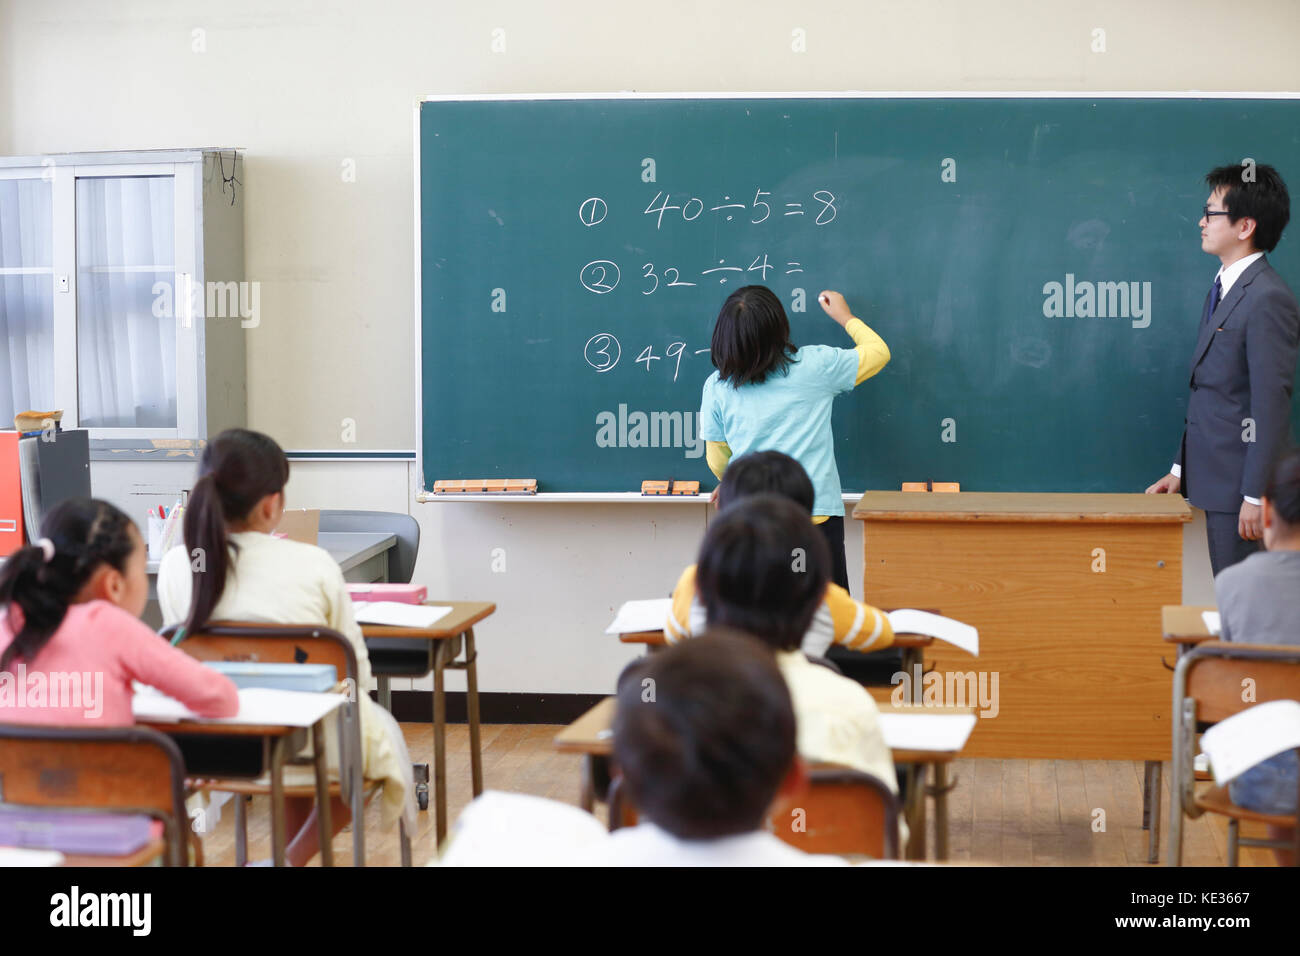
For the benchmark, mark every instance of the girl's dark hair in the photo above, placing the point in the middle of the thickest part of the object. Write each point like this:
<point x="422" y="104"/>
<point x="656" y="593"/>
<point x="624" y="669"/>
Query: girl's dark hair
<point x="238" y="469"/>
<point x="763" y="569"/>
<point x="751" y="339"/>
<point x="762" y="471"/>
<point x="706" y="756"/>
<point x="86" y="533"/>
<point x="1283" y="490"/>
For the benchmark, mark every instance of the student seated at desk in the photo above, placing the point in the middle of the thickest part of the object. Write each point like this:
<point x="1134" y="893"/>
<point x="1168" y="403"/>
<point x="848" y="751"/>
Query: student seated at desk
<point x="71" y="641"/>
<point x="763" y="569"/>
<point x="839" y="619"/>
<point x="1259" y="603"/>
<point x="247" y="575"/>
<point x="705" y="744"/>
<point x="703" y="759"/>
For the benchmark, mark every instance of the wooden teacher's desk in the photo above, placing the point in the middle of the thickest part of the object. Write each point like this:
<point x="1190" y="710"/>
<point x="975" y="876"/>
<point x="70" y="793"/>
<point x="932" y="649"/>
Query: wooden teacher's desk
<point x="1066" y="591"/>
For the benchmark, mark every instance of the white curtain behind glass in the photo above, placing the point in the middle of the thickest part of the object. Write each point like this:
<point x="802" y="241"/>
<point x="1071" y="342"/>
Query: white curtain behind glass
<point x="26" y="297"/>
<point x="126" y="254"/>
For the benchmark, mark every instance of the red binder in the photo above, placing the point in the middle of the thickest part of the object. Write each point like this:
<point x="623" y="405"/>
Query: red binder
<point x="11" y="495"/>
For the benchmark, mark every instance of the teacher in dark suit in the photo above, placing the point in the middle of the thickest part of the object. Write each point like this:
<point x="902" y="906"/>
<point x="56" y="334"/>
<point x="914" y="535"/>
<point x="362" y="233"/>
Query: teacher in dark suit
<point x="1243" y="367"/>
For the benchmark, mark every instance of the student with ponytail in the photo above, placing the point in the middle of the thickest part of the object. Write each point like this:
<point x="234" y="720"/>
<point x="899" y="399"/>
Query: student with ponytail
<point x="232" y="569"/>
<point x="71" y="641"/>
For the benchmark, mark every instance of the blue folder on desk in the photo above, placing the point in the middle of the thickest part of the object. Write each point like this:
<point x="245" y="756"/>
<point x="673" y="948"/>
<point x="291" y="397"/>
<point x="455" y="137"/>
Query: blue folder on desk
<point x="306" y="677"/>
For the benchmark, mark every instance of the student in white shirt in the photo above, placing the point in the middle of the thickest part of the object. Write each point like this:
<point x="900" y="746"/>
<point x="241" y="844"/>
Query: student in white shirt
<point x="232" y="569"/>
<point x="704" y="743"/>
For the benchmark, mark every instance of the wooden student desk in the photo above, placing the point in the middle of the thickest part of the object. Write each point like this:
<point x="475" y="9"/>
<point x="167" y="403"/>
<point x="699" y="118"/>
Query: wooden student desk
<point x="279" y="743"/>
<point x="592" y="737"/>
<point x="1076" y="650"/>
<point x="912" y="645"/>
<point x="1183" y="625"/>
<point x="444" y="641"/>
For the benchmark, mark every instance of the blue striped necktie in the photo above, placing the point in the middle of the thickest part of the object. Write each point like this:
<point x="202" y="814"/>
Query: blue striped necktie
<point x="1215" y="296"/>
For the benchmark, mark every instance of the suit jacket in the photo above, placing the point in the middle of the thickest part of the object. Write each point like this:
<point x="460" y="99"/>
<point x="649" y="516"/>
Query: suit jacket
<point x="1243" y="368"/>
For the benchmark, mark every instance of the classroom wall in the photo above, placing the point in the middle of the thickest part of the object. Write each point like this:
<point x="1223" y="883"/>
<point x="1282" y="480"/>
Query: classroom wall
<point x="316" y="92"/>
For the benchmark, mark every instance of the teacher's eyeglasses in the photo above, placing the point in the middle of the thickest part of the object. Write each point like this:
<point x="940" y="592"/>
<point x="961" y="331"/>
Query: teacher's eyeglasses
<point x="1207" y="212"/>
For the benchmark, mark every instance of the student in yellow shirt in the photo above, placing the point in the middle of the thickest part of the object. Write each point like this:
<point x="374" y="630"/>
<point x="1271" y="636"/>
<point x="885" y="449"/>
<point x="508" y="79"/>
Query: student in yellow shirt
<point x="768" y="393"/>
<point x="838" y="620"/>
<point x="763" y="570"/>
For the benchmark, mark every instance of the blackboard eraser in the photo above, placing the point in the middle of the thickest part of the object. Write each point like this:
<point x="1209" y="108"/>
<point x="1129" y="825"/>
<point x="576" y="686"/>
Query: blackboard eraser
<point x="486" y="486"/>
<point x="654" y="487"/>
<point x="686" y="487"/>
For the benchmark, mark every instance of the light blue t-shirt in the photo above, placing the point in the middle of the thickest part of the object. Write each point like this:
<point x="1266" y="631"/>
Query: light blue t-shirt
<point x="789" y="413"/>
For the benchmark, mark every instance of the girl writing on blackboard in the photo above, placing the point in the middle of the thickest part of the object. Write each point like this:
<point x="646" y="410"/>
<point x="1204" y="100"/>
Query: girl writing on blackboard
<point x="768" y="394"/>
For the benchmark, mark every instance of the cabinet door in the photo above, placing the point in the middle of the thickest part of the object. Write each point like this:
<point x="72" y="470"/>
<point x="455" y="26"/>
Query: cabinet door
<point x="26" y="293"/>
<point x="135" y="293"/>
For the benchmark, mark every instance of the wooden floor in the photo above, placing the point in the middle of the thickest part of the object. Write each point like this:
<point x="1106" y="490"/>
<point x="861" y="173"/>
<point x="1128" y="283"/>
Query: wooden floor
<point x="1002" y="812"/>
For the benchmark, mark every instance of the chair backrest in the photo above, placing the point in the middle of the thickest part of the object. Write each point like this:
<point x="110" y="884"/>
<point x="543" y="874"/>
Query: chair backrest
<point x="121" y="769"/>
<point x="288" y="644"/>
<point x="402" y="566"/>
<point x="1210" y="684"/>
<point x="845" y="811"/>
<point x="1218" y="674"/>
<point x="272" y="644"/>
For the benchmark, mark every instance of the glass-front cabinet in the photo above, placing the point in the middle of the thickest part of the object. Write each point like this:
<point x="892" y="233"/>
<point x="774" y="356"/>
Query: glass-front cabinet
<point x="122" y="292"/>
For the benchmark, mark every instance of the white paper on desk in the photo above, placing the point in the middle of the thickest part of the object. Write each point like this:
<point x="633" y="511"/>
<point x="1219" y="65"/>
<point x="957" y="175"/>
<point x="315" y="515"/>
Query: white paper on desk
<point x="1213" y="624"/>
<point x="18" y="856"/>
<point x="636" y="616"/>
<point x="926" y="731"/>
<point x="908" y="621"/>
<point x="397" y="614"/>
<point x="257" y="705"/>
<point x="1245" y="739"/>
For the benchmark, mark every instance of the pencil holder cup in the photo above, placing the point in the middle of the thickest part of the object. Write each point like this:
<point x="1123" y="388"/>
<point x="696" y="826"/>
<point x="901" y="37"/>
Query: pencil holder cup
<point x="155" y="531"/>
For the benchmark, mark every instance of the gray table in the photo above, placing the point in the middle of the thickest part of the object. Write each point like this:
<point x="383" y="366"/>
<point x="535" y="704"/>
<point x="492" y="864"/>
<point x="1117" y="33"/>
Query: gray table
<point x="363" y="556"/>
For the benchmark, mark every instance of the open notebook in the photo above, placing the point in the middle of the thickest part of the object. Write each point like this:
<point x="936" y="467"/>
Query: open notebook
<point x="650" y="615"/>
<point x="1250" y="737"/>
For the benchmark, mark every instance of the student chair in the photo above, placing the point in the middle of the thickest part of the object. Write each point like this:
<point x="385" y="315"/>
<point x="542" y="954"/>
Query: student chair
<point x="391" y="656"/>
<point x="401" y="559"/>
<point x="127" y="770"/>
<point x="296" y="644"/>
<point x="845" y="812"/>
<point x="1208" y="687"/>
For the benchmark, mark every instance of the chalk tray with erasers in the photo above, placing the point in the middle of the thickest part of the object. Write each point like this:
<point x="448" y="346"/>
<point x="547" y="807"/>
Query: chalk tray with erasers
<point x="316" y="678"/>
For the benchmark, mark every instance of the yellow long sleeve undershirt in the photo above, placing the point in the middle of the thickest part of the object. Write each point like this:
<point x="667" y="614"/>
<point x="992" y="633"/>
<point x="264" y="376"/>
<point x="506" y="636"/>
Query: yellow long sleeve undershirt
<point x="873" y="353"/>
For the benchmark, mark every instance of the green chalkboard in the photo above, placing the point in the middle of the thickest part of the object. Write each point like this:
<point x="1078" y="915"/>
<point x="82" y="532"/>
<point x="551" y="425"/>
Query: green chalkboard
<point x="560" y="235"/>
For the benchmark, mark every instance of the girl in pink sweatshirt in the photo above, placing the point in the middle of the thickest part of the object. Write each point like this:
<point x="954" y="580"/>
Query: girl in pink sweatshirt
<point x="71" y="641"/>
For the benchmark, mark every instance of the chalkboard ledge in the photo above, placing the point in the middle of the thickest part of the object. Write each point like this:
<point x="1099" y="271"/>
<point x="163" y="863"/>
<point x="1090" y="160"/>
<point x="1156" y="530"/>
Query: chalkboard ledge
<point x="587" y="498"/>
<point x="570" y="497"/>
